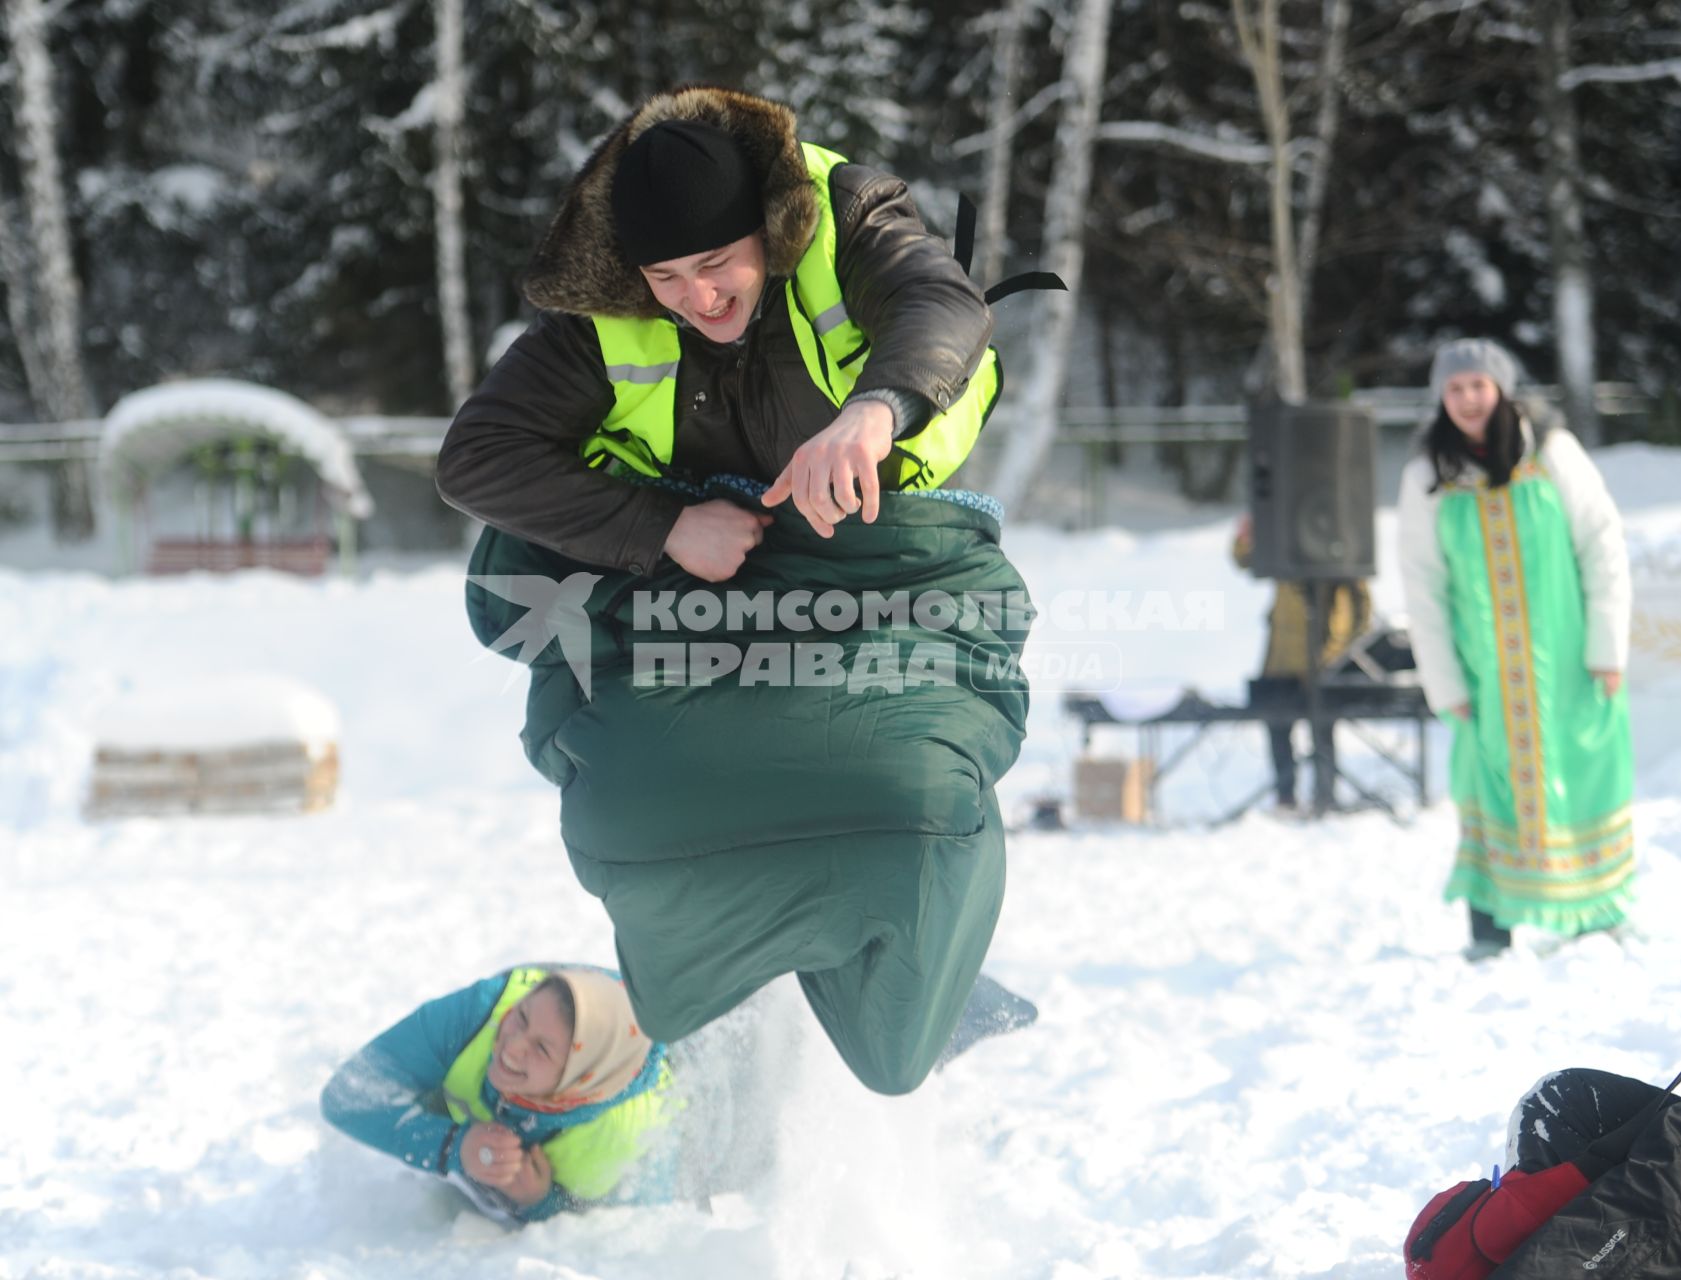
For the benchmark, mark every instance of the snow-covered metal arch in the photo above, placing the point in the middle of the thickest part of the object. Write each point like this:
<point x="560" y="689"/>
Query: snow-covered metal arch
<point x="148" y="432"/>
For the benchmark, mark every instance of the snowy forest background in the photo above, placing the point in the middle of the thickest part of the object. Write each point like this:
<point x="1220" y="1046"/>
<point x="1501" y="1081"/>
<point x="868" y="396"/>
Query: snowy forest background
<point x="335" y="197"/>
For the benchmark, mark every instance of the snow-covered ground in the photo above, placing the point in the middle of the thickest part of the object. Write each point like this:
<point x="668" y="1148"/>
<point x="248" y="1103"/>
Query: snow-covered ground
<point x="1259" y="1051"/>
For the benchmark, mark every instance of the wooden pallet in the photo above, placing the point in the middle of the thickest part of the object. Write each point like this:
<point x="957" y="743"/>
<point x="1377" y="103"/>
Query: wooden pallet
<point x="307" y="556"/>
<point x="1113" y="790"/>
<point x="270" y="777"/>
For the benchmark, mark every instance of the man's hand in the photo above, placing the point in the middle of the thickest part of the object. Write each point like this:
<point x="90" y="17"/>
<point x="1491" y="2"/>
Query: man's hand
<point x="491" y="1154"/>
<point x="1462" y="711"/>
<point x="531" y="1183"/>
<point x="711" y="539"/>
<point x="833" y="474"/>
<point x="1609" y="681"/>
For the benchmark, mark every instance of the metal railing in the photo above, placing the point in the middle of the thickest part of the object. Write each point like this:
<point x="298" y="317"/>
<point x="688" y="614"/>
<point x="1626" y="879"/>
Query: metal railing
<point x="411" y="438"/>
<point x="1403" y="408"/>
<point x="370" y="436"/>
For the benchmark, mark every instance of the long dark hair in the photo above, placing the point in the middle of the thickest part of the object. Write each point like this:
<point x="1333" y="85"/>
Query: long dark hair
<point x="1450" y="452"/>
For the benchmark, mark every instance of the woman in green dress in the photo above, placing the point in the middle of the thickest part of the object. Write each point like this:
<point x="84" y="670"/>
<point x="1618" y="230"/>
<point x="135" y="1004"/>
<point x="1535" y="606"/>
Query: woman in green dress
<point x="1517" y="584"/>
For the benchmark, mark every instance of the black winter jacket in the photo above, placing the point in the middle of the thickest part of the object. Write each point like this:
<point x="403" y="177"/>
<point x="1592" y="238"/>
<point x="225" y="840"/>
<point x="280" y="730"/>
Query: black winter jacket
<point x="1625" y="1226"/>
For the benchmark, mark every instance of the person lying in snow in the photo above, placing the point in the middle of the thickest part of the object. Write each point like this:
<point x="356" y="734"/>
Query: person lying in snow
<point x="1594" y="1188"/>
<point x="534" y="1091"/>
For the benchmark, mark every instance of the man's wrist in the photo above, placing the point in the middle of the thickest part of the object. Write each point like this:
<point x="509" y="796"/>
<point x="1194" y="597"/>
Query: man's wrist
<point x="909" y="410"/>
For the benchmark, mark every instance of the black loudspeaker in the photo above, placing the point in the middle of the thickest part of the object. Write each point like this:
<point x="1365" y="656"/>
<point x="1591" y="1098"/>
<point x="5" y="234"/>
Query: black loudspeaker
<point x="1313" y="491"/>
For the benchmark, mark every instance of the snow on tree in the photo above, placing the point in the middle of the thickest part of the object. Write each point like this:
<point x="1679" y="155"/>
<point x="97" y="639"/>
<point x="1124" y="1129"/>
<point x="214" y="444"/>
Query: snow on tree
<point x="1573" y="335"/>
<point x="59" y="383"/>
<point x="16" y="272"/>
<point x="265" y="191"/>
<point x="449" y="106"/>
<point x="840" y="64"/>
<point x="1294" y="250"/>
<point x="1033" y="417"/>
<point x="1332" y="63"/>
<point x="1257" y="32"/>
<point x="58" y="289"/>
<point x="1009" y="32"/>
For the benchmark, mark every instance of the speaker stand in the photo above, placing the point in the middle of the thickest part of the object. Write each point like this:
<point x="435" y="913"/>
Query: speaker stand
<point x="1326" y="770"/>
<point x="1324" y="749"/>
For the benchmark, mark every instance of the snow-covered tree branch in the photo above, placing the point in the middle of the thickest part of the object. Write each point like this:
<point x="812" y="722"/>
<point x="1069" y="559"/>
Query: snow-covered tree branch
<point x="1666" y="69"/>
<point x="1207" y="146"/>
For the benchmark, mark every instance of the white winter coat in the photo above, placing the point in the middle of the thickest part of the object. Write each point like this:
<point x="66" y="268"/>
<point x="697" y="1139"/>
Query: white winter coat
<point x="1596" y="532"/>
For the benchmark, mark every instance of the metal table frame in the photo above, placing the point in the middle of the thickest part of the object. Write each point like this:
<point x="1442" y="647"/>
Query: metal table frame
<point x="1350" y="705"/>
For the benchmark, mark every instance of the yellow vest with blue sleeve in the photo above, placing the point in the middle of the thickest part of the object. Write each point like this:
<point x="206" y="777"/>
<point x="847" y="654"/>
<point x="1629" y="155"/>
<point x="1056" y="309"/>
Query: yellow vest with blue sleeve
<point x="641" y="358"/>
<point x="589" y="1159"/>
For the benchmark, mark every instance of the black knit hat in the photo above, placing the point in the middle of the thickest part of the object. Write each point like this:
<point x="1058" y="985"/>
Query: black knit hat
<point x="682" y="188"/>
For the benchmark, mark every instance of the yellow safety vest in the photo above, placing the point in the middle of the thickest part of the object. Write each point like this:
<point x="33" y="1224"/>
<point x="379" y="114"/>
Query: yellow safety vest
<point x="641" y="357"/>
<point x="589" y="1159"/>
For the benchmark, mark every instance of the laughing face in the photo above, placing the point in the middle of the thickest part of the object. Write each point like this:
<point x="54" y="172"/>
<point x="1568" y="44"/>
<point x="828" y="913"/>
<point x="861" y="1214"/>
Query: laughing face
<point x="1470" y="399"/>
<point x="717" y="292"/>
<point x="531" y="1047"/>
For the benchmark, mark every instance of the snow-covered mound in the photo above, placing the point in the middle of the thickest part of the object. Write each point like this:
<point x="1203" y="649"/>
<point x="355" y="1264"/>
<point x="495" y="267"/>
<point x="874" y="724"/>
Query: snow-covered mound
<point x="218" y="711"/>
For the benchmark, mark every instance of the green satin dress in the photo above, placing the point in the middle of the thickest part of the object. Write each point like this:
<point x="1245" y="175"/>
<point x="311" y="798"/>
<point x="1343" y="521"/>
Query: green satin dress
<point x="1543" y="773"/>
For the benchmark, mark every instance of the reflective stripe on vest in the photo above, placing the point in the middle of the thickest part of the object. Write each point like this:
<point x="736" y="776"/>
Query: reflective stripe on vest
<point x="590" y="1159"/>
<point x="641" y="358"/>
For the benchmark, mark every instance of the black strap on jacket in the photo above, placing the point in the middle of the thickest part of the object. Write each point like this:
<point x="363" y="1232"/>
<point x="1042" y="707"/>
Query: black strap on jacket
<point x="1611" y="1149"/>
<point x="963" y="249"/>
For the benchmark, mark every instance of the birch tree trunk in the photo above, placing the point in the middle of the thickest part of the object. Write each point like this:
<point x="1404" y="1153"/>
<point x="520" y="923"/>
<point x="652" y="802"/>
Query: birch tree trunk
<point x="1000" y="147"/>
<point x="1258" y="36"/>
<point x="1331" y="63"/>
<point x="446" y="197"/>
<point x="1033" y="423"/>
<point x="17" y="271"/>
<point x="1573" y="337"/>
<point x="62" y="393"/>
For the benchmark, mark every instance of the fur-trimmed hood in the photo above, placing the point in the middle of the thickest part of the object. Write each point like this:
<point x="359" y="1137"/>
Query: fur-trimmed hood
<point x="579" y="267"/>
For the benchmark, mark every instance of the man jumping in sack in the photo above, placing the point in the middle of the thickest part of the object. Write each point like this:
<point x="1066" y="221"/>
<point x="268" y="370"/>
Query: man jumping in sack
<point x="754" y="366"/>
